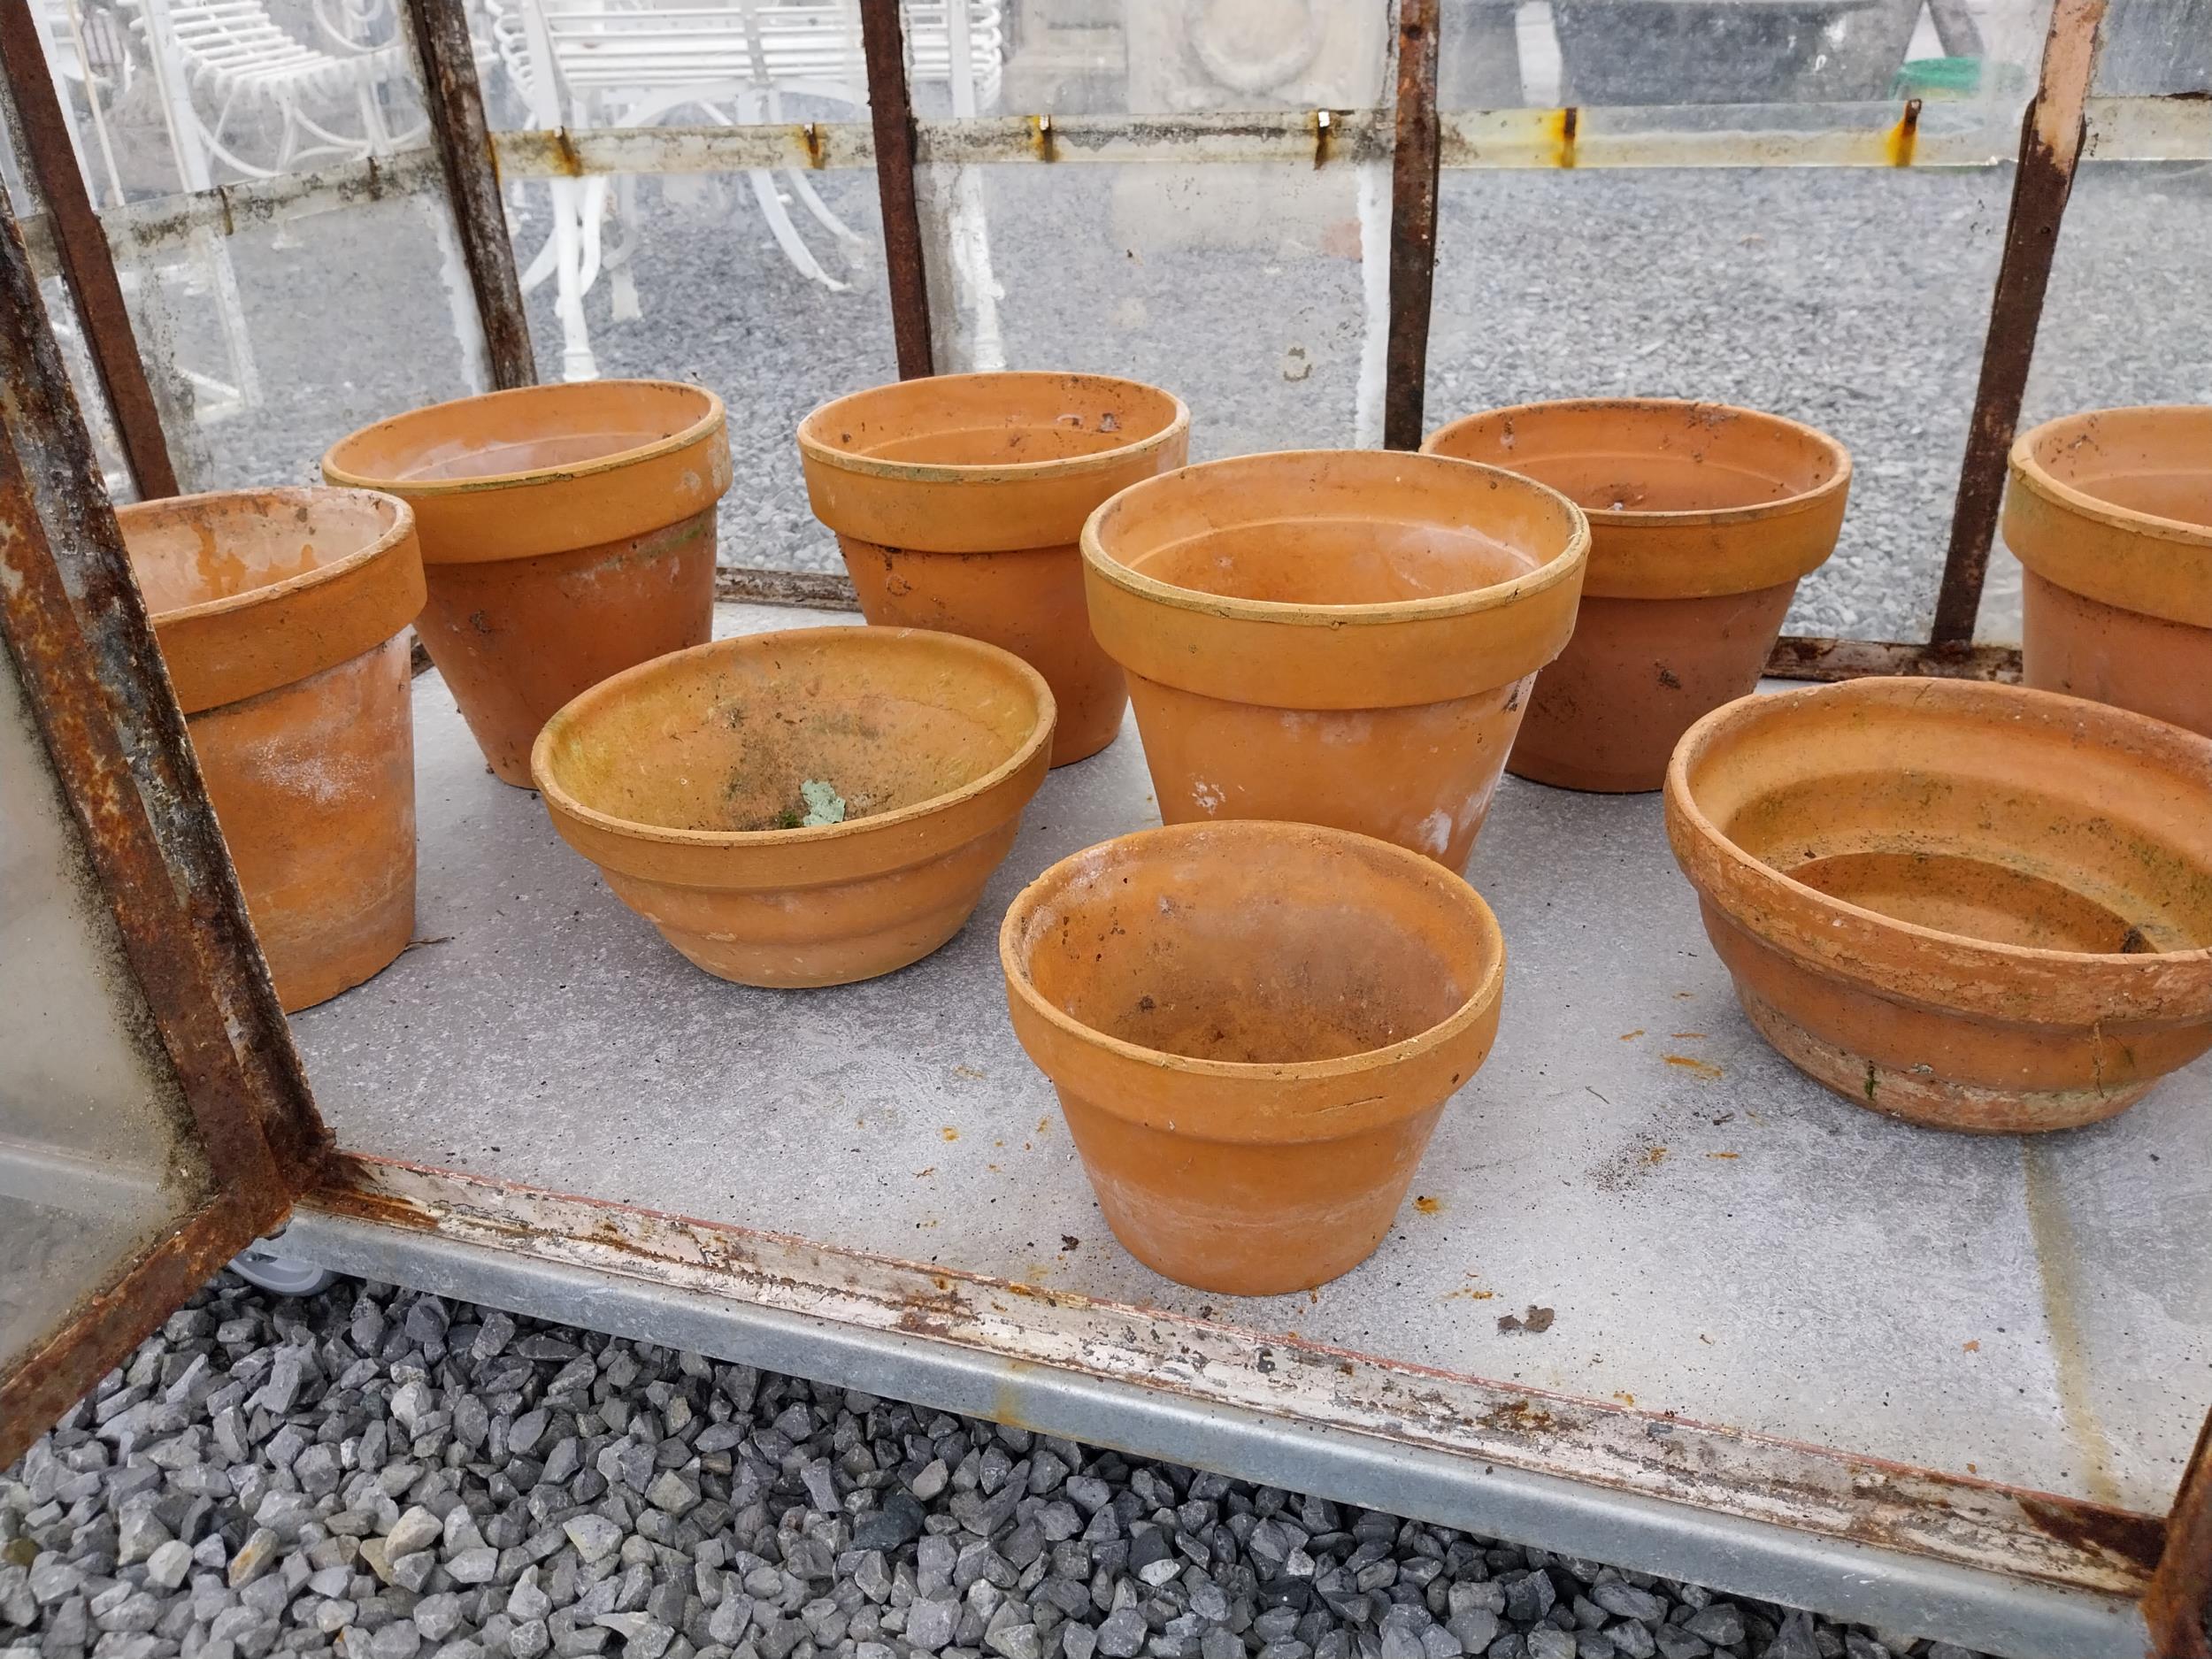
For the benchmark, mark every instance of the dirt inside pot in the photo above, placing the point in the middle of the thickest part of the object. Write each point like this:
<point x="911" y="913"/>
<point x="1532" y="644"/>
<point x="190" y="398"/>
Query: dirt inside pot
<point x="1335" y="562"/>
<point x="1169" y="965"/>
<point x="2169" y="485"/>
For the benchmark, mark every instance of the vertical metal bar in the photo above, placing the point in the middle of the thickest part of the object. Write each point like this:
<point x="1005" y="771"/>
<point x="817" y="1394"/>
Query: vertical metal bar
<point x="2051" y="137"/>
<point x="88" y="266"/>
<point x="1412" y="225"/>
<point x="891" y="109"/>
<point x="2178" y="1604"/>
<point x="73" y="619"/>
<point x="454" y="100"/>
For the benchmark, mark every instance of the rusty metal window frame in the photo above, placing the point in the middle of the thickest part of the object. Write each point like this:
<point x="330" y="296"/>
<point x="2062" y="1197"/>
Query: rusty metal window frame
<point x="78" y="628"/>
<point x="74" y="623"/>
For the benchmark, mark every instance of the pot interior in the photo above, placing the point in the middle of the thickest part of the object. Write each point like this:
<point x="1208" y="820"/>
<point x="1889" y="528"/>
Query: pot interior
<point x="541" y="429"/>
<point x="722" y="737"/>
<point x="1632" y="455"/>
<point x="1254" y="943"/>
<point x="993" y="420"/>
<point x="200" y="549"/>
<point x="1336" y="561"/>
<point x="1972" y="815"/>
<point x="2154" y="461"/>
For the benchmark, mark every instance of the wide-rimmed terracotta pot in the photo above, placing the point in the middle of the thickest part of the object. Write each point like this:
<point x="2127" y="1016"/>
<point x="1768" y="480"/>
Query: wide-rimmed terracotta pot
<point x="282" y="615"/>
<point x="686" y="781"/>
<point x="1974" y="906"/>
<point x="1252" y="1028"/>
<point x="957" y="500"/>
<point x="1335" y="636"/>
<point x="1702" y="519"/>
<point x="567" y="533"/>
<point x="2111" y="514"/>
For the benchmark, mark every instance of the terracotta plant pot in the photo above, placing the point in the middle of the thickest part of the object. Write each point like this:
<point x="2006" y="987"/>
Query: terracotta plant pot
<point x="1702" y="518"/>
<point x="1252" y="1028"/>
<point x="957" y="500"/>
<point x="1339" y="637"/>
<point x="1973" y="906"/>
<point x="2111" y="514"/>
<point x="567" y="533"/>
<point x="683" y="781"/>
<point x="282" y="615"/>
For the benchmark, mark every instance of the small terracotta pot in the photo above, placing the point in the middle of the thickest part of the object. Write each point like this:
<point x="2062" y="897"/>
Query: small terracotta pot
<point x="681" y="780"/>
<point x="957" y="500"/>
<point x="1252" y="1028"/>
<point x="282" y="617"/>
<point x="1973" y="906"/>
<point x="2111" y="513"/>
<point x="1339" y="637"/>
<point x="1702" y="519"/>
<point x="567" y="533"/>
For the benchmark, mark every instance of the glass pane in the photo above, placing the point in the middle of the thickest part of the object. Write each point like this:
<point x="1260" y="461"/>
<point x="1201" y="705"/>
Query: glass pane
<point x="2128" y="318"/>
<point x="1184" y="56"/>
<point x="94" y="1162"/>
<point x="271" y="343"/>
<point x="165" y="95"/>
<point x="2156" y="48"/>
<point x="1853" y="299"/>
<point x="692" y="283"/>
<point x="1502" y="54"/>
<point x="1241" y="288"/>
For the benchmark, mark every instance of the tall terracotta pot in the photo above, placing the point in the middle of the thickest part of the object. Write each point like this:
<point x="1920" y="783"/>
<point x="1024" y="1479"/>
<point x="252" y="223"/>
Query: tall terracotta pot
<point x="282" y="615"/>
<point x="1252" y="1029"/>
<point x="2111" y="514"/>
<point x="567" y="533"/>
<point x="1338" y="637"/>
<point x="1703" y="517"/>
<point x="957" y="500"/>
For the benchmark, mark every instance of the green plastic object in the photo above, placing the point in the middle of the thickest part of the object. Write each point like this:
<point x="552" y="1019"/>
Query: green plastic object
<point x="1939" y="78"/>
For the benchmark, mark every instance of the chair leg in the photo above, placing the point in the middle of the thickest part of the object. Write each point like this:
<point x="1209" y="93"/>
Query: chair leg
<point x="803" y="188"/>
<point x="622" y="298"/>
<point x="787" y="233"/>
<point x="577" y="363"/>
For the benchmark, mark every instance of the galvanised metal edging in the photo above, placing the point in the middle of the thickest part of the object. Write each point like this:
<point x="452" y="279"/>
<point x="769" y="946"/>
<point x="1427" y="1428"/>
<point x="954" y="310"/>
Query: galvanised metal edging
<point x="2002" y="1569"/>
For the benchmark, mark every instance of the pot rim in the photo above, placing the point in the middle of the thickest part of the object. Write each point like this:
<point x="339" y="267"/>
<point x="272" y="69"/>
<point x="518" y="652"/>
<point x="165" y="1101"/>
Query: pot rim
<point x="1470" y="1011"/>
<point x="1690" y="518"/>
<point x="1562" y="566"/>
<point x="1685" y="806"/>
<point x="431" y="490"/>
<point x="815" y="449"/>
<point x="2028" y="469"/>
<point x="547" y="784"/>
<point x="400" y="529"/>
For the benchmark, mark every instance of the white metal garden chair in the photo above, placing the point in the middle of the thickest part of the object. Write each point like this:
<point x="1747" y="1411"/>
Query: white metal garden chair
<point x="583" y="64"/>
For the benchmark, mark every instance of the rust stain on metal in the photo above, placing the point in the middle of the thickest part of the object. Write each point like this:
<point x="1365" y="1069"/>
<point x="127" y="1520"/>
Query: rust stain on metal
<point x="1041" y="142"/>
<point x="1413" y="192"/>
<point x="1798" y="656"/>
<point x="2178" y="1604"/>
<point x="1565" y="125"/>
<point x="565" y="159"/>
<point x="1323" y="137"/>
<point x="817" y="590"/>
<point x="453" y="100"/>
<point x="891" y="110"/>
<point x="2051" y="134"/>
<point x="1902" y="141"/>
<point x="2134" y="1541"/>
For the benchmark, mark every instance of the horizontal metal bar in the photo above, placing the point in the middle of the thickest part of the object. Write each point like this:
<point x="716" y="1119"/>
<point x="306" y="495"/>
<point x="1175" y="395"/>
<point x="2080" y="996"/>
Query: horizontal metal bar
<point x="170" y="221"/>
<point x="1195" y="1394"/>
<point x="817" y="590"/>
<point x="1799" y="658"/>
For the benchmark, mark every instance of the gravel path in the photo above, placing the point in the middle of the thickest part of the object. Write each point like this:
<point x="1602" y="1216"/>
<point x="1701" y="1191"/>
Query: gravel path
<point x="1853" y="298"/>
<point x="387" y="1476"/>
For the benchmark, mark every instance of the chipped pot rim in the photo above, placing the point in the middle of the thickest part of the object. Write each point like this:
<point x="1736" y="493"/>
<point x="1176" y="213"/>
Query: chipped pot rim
<point x="1562" y="567"/>
<point x="697" y="432"/>
<point x="814" y="448"/>
<point x="587" y="702"/>
<point x="392" y="537"/>
<point x="1681" y="802"/>
<point x="1059" y="876"/>
<point x="1616" y="518"/>
<point x="2028" y="469"/>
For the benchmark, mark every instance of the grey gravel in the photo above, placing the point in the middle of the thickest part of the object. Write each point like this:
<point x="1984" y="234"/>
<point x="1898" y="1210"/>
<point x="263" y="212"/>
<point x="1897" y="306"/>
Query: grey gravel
<point x="441" y="1482"/>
